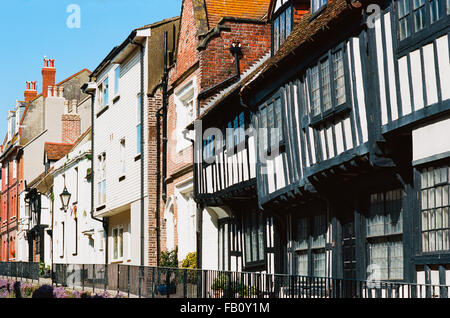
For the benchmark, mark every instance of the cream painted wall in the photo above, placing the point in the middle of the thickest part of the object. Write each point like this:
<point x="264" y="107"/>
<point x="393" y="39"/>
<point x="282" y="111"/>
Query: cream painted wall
<point x="431" y="140"/>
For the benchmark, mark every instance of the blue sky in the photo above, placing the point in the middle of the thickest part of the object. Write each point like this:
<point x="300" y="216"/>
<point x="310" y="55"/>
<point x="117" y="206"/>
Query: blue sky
<point x="32" y="29"/>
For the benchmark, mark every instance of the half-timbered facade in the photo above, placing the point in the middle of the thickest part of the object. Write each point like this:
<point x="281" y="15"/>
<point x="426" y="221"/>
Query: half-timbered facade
<point x="349" y="118"/>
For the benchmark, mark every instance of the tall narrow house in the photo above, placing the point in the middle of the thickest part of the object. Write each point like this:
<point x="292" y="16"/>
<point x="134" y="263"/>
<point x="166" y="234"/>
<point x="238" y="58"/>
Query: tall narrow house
<point x="220" y="42"/>
<point x="119" y="87"/>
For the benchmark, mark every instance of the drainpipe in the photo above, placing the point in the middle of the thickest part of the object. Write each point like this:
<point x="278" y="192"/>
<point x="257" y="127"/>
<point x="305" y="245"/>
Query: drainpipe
<point x="7" y="215"/>
<point x="161" y="193"/>
<point x="165" y="84"/>
<point x="158" y="182"/>
<point x="236" y="50"/>
<point x="142" y="147"/>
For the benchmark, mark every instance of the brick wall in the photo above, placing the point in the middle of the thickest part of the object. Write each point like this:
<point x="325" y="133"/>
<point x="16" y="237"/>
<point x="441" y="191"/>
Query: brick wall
<point x="154" y="103"/>
<point x="216" y="61"/>
<point x="71" y="126"/>
<point x="187" y="54"/>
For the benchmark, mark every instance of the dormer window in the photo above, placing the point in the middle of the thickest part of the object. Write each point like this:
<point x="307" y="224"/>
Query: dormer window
<point x="282" y="23"/>
<point x="317" y="5"/>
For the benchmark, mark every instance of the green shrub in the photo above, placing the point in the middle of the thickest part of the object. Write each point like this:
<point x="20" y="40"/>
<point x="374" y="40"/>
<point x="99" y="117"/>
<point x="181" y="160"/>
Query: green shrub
<point x="190" y="262"/>
<point x="169" y="258"/>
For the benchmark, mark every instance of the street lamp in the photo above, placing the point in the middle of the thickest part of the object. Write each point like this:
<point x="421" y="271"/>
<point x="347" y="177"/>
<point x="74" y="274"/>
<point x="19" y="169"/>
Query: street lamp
<point x="65" y="198"/>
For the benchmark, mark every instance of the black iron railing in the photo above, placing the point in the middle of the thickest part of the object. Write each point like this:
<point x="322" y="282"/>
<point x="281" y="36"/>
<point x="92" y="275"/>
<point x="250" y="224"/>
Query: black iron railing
<point x="157" y="282"/>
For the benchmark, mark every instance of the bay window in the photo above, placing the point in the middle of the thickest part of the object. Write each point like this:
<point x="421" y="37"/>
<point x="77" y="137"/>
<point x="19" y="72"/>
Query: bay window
<point x="421" y="17"/>
<point x="384" y="234"/>
<point x="435" y="187"/>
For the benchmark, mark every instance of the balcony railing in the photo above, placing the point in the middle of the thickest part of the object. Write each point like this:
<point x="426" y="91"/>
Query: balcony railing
<point x="158" y="282"/>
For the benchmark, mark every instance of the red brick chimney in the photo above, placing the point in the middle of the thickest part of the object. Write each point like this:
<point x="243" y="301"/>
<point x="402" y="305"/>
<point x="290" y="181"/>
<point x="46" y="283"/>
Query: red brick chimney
<point x="71" y="124"/>
<point x="30" y="93"/>
<point x="48" y="75"/>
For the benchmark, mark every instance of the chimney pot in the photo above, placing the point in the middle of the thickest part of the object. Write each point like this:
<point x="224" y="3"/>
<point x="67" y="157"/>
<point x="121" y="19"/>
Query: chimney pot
<point x="48" y="76"/>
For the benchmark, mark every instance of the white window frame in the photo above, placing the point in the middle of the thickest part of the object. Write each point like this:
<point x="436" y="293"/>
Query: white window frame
<point x="14" y="169"/>
<point x="101" y="182"/>
<point x="116" y="229"/>
<point x="185" y="114"/>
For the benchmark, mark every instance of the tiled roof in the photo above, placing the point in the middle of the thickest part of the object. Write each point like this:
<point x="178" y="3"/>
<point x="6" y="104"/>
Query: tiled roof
<point x="301" y="35"/>
<point x="56" y="151"/>
<point x="245" y="9"/>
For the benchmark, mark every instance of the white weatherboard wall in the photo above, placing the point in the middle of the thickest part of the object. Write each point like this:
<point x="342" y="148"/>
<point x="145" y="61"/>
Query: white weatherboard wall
<point x="89" y="235"/>
<point x="431" y="140"/>
<point x="119" y="122"/>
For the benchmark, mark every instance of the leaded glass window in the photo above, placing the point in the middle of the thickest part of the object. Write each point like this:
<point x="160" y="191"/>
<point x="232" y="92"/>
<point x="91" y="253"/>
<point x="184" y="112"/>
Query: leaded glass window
<point x="384" y="228"/>
<point x="435" y="208"/>
<point x="327" y="81"/>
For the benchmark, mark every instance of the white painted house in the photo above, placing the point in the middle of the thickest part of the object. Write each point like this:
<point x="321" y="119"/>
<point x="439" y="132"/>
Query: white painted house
<point x="119" y="98"/>
<point x="77" y="237"/>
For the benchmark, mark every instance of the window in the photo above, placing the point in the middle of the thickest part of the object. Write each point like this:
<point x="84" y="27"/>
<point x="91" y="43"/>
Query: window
<point x="6" y="174"/>
<point x="105" y="92"/>
<point x="75" y="242"/>
<point x="14" y="169"/>
<point x="271" y="123"/>
<point x="384" y="226"/>
<point x="62" y="239"/>
<point x="116" y="80"/>
<point x="310" y="239"/>
<point x="76" y="186"/>
<point x="229" y="242"/>
<point x="282" y="25"/>
<point x="317" y="4"/>
<point x="415" y="16"/>
<point x="122" y="157"/>
<point x="185" y="104"/>
<point x="117" y="243"/>
<point x="236" y="131"/>
<point x="138" y="127"/>
<point x="435" y="209"/>
<point x="254" y="237"/>
<point x="101" y="185"/>
<point x="328" y="83"/>
<point x="103" y="97"/>
<point x="209" y="149"/>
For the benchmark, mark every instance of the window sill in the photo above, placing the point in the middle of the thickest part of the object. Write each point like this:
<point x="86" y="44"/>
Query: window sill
<point x="116" y="98"/>
<point x="101" y="111"/>
<point x="318" y="12"/>
<point x="122" y="178"/>
<point x="330" y="115"/>
<point x="138" y="157"/>
<point x="102" y="207"/>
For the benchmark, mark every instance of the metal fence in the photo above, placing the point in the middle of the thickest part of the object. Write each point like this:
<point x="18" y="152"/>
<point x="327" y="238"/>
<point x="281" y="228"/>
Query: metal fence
<point x="157" y="282"/>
